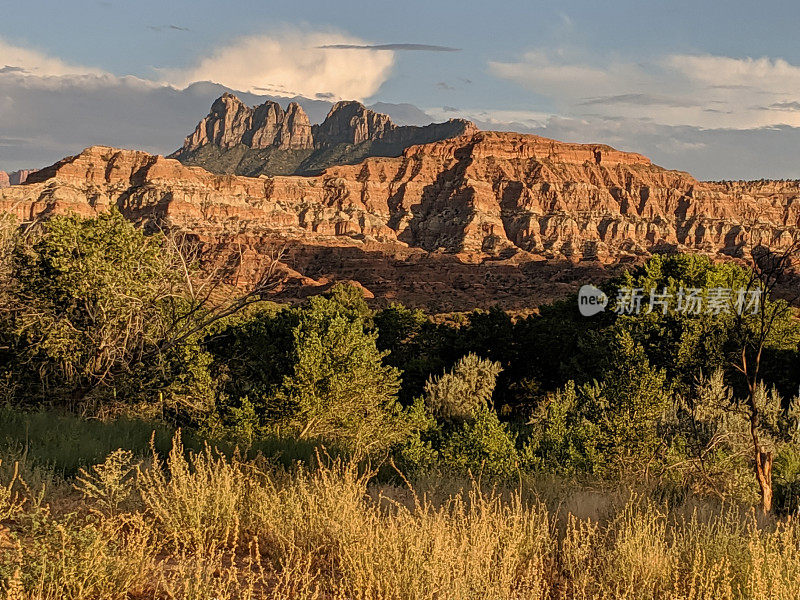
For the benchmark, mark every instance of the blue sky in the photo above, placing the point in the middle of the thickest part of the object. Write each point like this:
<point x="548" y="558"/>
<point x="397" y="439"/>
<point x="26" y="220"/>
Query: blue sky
<point x="708" y="87"/>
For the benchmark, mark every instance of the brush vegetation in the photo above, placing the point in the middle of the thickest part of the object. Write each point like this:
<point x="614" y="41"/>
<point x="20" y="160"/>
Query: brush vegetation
<point x="157" y="442"/>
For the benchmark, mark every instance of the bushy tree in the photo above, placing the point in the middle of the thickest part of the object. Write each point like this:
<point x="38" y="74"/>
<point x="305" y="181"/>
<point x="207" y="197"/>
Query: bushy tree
<point x="90" y="305"/>
<point x="339" y="387"/>
<point x="97" y="315"/>
<point x="685" y="343"/>
<point x="714" y="441"/>
<point x="609" y="427"/>
<point x="423" y="346"/>
<point x="314" y="372"/>
<point x="416" y="345"/>
<point x="463" y="391"/>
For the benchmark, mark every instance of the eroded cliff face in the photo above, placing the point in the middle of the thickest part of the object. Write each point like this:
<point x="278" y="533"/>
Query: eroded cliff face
<point x="265" y="140"/>
<point x="232" y="123"/>
<point x="475" y="220"/>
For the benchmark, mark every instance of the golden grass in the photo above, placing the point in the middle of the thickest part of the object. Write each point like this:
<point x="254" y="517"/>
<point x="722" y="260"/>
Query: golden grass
<point x="201" y="526"/>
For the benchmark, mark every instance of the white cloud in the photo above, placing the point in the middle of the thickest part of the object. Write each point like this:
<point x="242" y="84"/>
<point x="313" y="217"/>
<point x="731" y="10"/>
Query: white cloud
<point x="293" y="63"/>
<point x="24" y="61"/>
<point x="695" y="90"/>
<point x="711" y="115"/>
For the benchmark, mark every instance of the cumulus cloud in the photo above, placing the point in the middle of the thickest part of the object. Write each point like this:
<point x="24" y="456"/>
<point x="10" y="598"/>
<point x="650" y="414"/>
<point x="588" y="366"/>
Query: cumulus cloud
<point x="679" y="89"/>
<point x="43" y="119"/>
<point x="292" y="62"/>
<point x="715" y="117"/>
<point x="50" y="108"/>
<point x="24" y="60"/>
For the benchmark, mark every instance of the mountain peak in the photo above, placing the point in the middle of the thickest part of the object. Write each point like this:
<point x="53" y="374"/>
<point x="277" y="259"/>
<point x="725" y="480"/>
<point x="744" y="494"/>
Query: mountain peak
<point x="350" y="122"/>
<point x="232" y="123"/>
<point x="265" y="139"/>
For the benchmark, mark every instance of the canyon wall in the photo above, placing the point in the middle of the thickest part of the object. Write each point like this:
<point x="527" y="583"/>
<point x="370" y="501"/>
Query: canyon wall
<point x="475" y="220"/>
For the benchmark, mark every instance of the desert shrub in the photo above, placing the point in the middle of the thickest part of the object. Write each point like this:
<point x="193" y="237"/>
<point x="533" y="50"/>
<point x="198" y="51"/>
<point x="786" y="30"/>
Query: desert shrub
<point x="787" y="478"/>
<point x="94" y="313"/>
<point x="69" y="556"/>
<point x="463" y="391"/>
<point x="555" y="441"/>
<point x="211" y="524"/>
<point x="457" y="426"/>
<point x="196" y="502"/>
<point x="481" y="444"/>
<point x="110" y="483"/>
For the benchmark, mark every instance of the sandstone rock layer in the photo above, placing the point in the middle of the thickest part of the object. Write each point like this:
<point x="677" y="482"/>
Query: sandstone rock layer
<point x="479" y="219"/>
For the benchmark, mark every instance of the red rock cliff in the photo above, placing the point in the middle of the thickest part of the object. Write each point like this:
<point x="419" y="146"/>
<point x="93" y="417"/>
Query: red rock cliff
<point x="486" y="217"/>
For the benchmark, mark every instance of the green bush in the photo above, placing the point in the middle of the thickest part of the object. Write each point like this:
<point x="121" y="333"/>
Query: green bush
<point x="92" y="310"/>
<point x="464" y="391"/>
<point x="609" y="427"/>
<point x="481" y="444"/>
<point x="313" y="372"/>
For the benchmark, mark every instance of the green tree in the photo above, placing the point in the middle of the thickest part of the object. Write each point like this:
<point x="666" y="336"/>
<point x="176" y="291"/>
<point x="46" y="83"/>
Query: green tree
<point x="91" y="298"/>
<point x="313" y="371"/>
<point x="416" y="345"/>
<point x="463" y="391"/>
<point x="687" y="343"/>
<point x="610" y="427"/>
<point x="96" y="313"/>
<point x="339" y="388"/>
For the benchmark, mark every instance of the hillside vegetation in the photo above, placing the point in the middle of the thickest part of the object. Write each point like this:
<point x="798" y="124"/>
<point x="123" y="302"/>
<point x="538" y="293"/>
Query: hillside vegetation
<point x="158" y="444"/>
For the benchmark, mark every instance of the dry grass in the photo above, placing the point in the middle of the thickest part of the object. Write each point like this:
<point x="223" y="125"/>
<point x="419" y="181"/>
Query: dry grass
<point x="201" y="526"/>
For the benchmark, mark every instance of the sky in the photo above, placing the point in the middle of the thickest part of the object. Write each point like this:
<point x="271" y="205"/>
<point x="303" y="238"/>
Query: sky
<point x="708" y="87"/>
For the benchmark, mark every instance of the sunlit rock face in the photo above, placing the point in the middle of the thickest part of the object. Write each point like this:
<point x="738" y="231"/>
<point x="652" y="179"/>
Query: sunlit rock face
<point x="472" y="220"/>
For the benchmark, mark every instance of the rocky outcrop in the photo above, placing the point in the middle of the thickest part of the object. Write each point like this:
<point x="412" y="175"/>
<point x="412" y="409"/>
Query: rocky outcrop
<point x="15" y="177"/>
<point x="352" y="123"/>
<point x="295" y="130"/>
<point x="266" y="141"/>
<point x="479" y="219"/>
<point x="232" y="123"/>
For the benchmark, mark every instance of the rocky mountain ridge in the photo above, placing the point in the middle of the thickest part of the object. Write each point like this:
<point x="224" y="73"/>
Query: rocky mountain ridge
<point x="474" y="220"/>
<point x="266" y="140"/>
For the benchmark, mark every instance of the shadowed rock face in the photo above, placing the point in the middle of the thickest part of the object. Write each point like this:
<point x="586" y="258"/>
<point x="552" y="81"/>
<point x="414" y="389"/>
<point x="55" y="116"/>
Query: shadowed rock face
<point x="265" y="140"/>
<point x="480" y="219"/>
